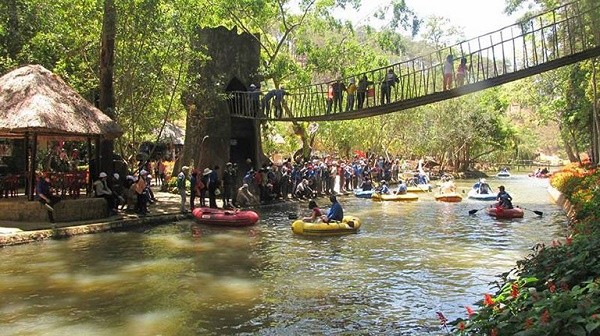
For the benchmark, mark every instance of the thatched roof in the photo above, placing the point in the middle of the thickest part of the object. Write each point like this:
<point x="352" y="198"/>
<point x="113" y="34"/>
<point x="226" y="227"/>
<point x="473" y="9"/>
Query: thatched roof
<point x="34" y="100"/>
<point x="172" y="134"/>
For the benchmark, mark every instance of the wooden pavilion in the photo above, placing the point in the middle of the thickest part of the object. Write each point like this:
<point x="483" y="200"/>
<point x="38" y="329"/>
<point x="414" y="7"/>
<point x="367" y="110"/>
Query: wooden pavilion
<point x="36" y="104"/>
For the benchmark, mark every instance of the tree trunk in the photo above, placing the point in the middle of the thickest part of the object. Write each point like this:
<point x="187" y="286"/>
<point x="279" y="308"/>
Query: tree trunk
<point x="107" y="97"/>
<point x="595" y="159"/>
<point x="13" y="41"/>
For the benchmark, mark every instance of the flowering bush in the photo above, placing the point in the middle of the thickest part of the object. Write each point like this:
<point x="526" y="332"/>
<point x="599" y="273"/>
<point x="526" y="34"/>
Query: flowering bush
<point x="557" y="287"/>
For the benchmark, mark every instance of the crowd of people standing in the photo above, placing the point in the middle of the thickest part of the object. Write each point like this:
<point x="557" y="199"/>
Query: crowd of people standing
<point x="272" y="182"/>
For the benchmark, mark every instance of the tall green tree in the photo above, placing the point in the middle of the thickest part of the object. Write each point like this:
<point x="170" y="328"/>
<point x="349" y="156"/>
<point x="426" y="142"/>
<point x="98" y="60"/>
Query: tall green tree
<point x="107" y="95"/>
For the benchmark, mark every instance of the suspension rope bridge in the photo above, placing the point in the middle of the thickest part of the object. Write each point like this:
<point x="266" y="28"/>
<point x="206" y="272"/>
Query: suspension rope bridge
<point x="552" y="39"/>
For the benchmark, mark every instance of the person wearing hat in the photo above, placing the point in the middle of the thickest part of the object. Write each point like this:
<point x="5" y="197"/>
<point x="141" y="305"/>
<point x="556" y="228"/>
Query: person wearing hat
<point x="303" y="190"/>
<point x="205" y="180"/>
<point x="181" y="179"/>
<point x="484" y="187"/>
<point x="504" y="199"/>
<point x="447" y="186"/>
<point x="213" y="185"/>
<point x="101" y="189"/>
<point x="129" y="193"/>
<point x="244" y="197"/>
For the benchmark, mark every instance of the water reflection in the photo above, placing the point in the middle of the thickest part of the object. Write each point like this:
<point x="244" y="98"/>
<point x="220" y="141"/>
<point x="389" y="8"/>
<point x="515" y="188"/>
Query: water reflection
<point x="409" y="261"/>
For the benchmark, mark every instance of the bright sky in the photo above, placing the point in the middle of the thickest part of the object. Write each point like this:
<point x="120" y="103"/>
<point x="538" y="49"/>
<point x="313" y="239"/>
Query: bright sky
<point x="476" y="17"/>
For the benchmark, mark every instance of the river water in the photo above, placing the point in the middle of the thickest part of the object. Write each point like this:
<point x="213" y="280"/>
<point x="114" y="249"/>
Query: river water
<point x="409" y="261"/>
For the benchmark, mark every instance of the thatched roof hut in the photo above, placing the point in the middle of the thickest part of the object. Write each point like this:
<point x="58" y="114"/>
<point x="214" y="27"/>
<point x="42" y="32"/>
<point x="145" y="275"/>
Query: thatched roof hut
<point x="35" y="103"/>
<point x="33" y="100"/>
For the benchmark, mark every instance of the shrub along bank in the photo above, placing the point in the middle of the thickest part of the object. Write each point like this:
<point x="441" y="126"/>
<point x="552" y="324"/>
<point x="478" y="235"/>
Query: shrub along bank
<point x="556" y="289"/>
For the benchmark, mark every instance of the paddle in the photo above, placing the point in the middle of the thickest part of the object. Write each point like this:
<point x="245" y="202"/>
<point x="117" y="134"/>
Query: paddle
<point x="424" y="190"/>
<point x="539" y="213"/>
<point x="472" y="212"/>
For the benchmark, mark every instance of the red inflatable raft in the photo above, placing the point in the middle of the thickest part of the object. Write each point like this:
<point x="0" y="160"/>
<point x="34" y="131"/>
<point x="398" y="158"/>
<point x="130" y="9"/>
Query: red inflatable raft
<point x="223" y="217"/>
<point x="499" y="212"/>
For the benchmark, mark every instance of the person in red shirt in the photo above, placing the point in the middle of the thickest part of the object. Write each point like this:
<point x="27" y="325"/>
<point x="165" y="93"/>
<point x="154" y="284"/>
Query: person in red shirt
<point x="315" y="212"/>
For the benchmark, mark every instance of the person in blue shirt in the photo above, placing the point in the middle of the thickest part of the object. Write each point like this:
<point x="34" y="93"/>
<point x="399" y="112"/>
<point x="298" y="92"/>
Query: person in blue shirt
<point x="336" y="213"/>
<point x="45" y="197"/>
<point x="367" y="184"/>
<point x="504" y="199"/>
<point x="383" y="188"/>
<point x="402" y="188"/>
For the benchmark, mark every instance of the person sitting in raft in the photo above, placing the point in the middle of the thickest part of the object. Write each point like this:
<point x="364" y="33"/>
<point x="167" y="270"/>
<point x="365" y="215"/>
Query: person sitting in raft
<point x="316" y="213"/>
<point x="504" y="199"/>
<point x="367" y="184"/>
<point x="383" y="187"/>
<point x="402" y="188"/>
<point x="336" y="213"/>
<point x="447" y="186"/>
<point x="484" y="187"/>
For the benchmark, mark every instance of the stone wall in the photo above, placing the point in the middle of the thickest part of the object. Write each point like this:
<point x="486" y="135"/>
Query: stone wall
<point x="562" y="201"/>
<point x="23" y="237"/>
<point x="69" y="210"/>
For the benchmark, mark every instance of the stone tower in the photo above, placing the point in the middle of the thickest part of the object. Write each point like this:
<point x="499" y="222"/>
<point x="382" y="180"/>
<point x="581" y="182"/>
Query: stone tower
<point x="227" y="61"/>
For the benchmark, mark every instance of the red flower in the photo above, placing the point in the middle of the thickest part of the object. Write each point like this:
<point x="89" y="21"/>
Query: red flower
<point x="551" y="287"/>
<point x="461" y="326"/>
<point x="442" y="318"/>
<point x="569" y="240"/>
<point x="514" y="292"/>
<point x="470" y="311"/>
<point x="494" y="332"/>
<point x="528" y="323"/>
<point x="488" y="300"/>
<point x="545" y="316"/>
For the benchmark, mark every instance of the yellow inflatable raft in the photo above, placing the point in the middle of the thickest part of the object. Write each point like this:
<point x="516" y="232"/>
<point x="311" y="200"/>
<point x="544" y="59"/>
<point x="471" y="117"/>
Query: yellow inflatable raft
<point x="394" y="197"/>
<point x="419" y="188"/>
<point x="349" y="224"/>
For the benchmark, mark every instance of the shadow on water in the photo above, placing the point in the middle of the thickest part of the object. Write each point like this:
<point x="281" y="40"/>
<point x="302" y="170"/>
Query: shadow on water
<point x="409" y="260"/>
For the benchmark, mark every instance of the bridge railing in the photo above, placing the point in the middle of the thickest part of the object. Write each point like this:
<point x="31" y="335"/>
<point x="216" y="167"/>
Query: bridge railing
<point x="545" y="37"/>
